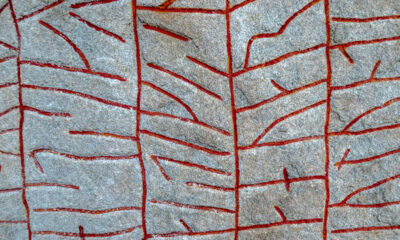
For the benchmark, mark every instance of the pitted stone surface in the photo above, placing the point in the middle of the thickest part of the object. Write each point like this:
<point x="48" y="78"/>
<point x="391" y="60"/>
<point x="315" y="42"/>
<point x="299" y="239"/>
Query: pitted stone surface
<point x="199" y="119"/>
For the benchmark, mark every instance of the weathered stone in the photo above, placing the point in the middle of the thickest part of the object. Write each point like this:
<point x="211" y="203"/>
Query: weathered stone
<point x="199" y="119"/>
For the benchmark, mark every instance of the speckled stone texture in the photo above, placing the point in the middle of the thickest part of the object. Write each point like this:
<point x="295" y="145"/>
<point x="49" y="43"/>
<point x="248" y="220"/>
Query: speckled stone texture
<point x="199" y="119"/>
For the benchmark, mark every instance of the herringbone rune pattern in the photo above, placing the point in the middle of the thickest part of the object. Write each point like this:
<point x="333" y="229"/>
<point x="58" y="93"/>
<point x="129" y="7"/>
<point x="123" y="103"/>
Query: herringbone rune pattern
<point x="206" y="119"/>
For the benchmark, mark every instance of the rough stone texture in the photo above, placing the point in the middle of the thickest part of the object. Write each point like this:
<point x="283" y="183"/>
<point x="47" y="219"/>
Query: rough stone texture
<point x="199" y="119"/>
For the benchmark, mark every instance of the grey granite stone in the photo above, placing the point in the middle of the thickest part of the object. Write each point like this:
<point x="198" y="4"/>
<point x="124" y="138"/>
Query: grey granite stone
<point x="199" y="119"/>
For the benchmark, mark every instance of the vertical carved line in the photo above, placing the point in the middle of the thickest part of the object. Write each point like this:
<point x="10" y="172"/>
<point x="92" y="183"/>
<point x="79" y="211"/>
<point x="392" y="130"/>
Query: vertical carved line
<point x="138" y="100"/>
<point x="21" y="121"/>
<point x="327" y="117"/>
<point x="234" y="120"/>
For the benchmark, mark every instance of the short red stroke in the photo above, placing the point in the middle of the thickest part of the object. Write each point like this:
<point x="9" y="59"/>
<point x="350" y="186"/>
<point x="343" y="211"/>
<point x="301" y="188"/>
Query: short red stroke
<point x="87" y="211"/>
<point x="73" y="69"/>
<point x="69" y="41"/>
<point x="370" y="111"/>
<point x="280" y="95"/>
<point x="103" y="134"/>
<point x="192" y="165"/>
<point x="190" y="206"/>
<point x="363" y="20"/>
<point x="277" y="33"/>
<point x="345" y="161"/>
<point x="170" y="95"/>
<point x="91" y="3"/>
<point x="197" y="86"/>
<point x="79" y="94"/>
<point x="45" y="8"/>
<point x="165" y="32"/>
<point x="167" y="3"/>
<point x="97" y="28"/>
<point x="279" y="59"/>
<point x="46" y="184"/>
<point x="283" y="118"/>
<point x="345" y="203"/>
<point x="91" y="235"/>
<point x="199" y="123"/>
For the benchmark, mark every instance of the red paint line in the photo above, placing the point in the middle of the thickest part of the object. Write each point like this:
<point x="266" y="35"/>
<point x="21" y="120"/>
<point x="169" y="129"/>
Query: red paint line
<point x="279" y="120"/>
<point x="8" y="85"/>
<point x="286" y="179"/>
<point x="234" y="116"/>
<point x="365" y="229"/>
<point x="180" y="10"/>
<point x="363" y="20"/>
<point x="190" y="145"/>
<point x="10" y="153"/>
<point x="365" y="131"/>
<point x="7" y="58"/>
<point x="343" y="160"/>
<point x="9" y="130"/>
<point x="162" y="170"/>
<point x="3" y="7"/>
<point x="275" y="224"/>
<point x="12" y="221"/>
<point x="6" y="45"/>
<point x="185" y="80"/>
<point x="277" y="86"/>
<point x="185" y="120"/>
<point x="278" y="59"/>
<point x="327" y="119"/>
<point x="83" y="158"/>
<point x="10" y="190"/>
<point x="374" y="70"/>
<point x="45" y="184"/>
<point x="46" y="113"/>
<point x="81" y="233"/>
<point x="280" y="95"/>
<point x="344" y="201"/>
<point x="185" y="225"/>
<point x="54" y="4"/>
<point x="68" y="40"/>
<point x="138" y="115"/>
<point x="368" y="159"/>
<point x="279" y="32"/>
<point x="112" y="135"/>
<point x="97" y="28"/>
<point x="91" y="3"/>
<point x="166" y="32"/>
<point x="86" y="211"/>
<point x="190" y="206"/>
<point x="71" y="69"/>
<point x="346" y="55"/>
<point x="207" y="186"/>
<point x="280" y="213"/>
<point x="8" y="110"/>
<point x="194" y="165"/>
<point x="364" y="42"/>
<point x="240" y="228"/>
<point x="366" y="81"/>
<point x="166" y="3"/>
<point x="280" y="181"/>
<point x="79" y="94"/>
<point x="240" y="5"/>
<point x="373" y="205"/>
<point x="177" y="234"/>
<point x="206" y="66"/>
<point x="281" y="143"/>
<point x="98" y="235"/>
<point x="170" y="95"/>
<point x="386" y="104"/>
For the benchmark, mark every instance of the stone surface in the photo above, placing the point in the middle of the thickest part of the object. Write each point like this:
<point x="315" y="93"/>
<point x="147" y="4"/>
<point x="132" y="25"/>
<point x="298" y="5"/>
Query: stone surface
<point x="199" y="119"/>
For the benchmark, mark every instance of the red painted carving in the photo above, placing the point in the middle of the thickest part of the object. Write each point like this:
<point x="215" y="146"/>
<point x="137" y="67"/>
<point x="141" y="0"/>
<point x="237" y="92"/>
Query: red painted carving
<point x="162" y="163"/>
